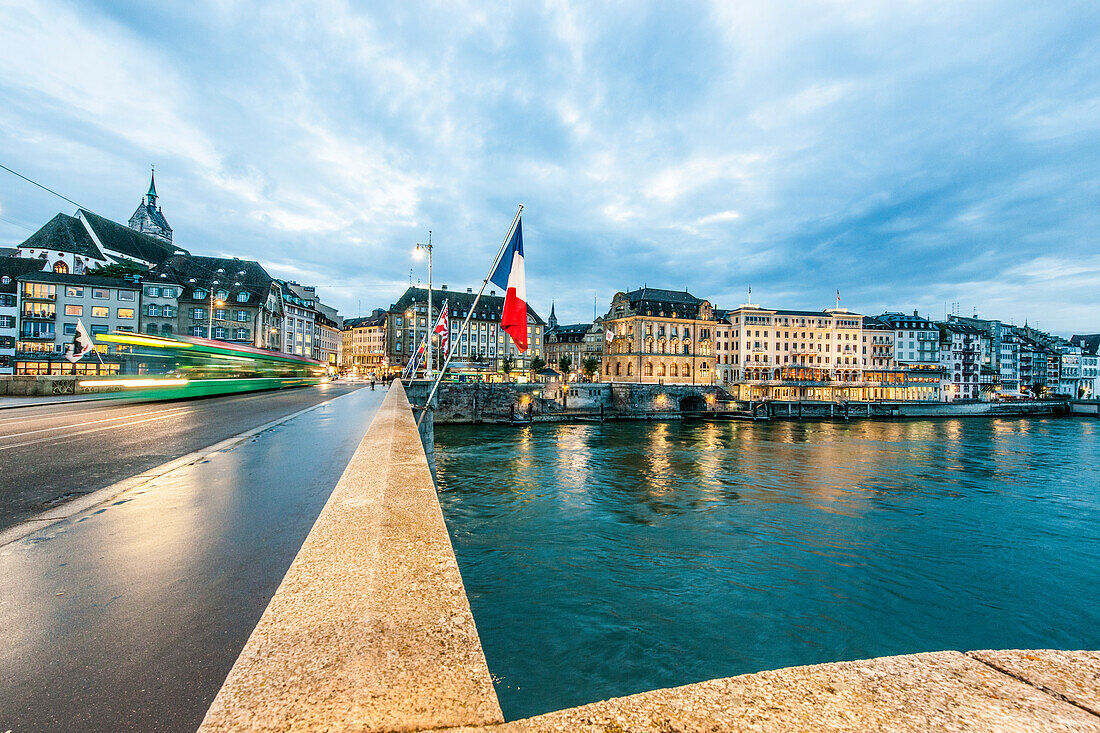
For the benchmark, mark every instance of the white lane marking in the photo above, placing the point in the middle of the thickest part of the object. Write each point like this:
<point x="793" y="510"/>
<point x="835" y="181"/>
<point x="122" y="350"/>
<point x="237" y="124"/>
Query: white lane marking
<point x="69" y="436"/>
<point x="93" y="422"/>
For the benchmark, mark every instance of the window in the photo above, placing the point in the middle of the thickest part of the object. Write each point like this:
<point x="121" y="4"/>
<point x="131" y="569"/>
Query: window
<point x="242" y="297"/>
<point x="40" y="291"/>
<point x="7" y="301"/>
<point x="100" y="311"/>
<point x="240" y="334"/>
<point x="198" y="313"/>
<point x="74" y="310"/>
<point x="198" y="293"/>
<point x="198" y="331"/>
<point x="151" y="328"/>
<point x="126" y="294"/>
<point x="101" y="293"/>
<point x="166" y="329"/>
<point x="168" y="292"/>
<point x="7" y="321"/>
<point x="241" y="316"/>
<point x="126" y="313"/>
<point x="99" y="328"/>
<point x="219" y="332"/>
<point x="70" y="328"/>
<point x="152" y="310"/>
<point x="74" y="291"/>
<point x="61" y="267"/>
<point x="168" y="311"/>
<point x="152" y="292"/>
<point x="219" y="313"/>
<point x="222" y="295"/>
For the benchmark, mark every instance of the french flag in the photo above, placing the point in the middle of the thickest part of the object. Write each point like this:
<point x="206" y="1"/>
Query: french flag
<point x="509" y="276"/>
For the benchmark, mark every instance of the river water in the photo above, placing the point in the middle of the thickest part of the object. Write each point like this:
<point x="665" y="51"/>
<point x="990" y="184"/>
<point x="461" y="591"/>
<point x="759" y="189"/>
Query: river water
<point x="603" y="560"/>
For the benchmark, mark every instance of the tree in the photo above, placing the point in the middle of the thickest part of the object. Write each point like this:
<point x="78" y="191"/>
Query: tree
<point x="565" y="363"/>
<point x="507" y="364"/>
<point x="590" y="365"/>
<point x="537" y="365"/>
<point x="122" y="268"/>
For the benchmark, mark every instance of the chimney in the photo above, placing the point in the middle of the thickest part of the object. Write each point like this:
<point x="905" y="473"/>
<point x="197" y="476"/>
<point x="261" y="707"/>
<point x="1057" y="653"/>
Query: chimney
<point x="492" y="292"/>
<point x="469" y="290"/>
<point x="916" y="314"/>
<point x="444" y="287"/>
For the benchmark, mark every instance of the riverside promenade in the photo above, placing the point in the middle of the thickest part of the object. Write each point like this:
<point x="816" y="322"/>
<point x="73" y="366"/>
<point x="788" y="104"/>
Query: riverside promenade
<point x="371" y="630"/>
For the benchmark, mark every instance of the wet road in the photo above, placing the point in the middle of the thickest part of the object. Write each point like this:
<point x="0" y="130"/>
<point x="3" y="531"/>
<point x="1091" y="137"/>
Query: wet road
<point x="54" y="453"/>
<point x="128" y="617"/>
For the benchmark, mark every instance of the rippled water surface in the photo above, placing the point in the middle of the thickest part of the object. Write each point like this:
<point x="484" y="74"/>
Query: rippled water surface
<point x="604" y="560"/>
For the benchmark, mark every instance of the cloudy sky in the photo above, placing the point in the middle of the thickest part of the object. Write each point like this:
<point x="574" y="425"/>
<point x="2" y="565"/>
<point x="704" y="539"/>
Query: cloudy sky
<point x="910" y="154"/>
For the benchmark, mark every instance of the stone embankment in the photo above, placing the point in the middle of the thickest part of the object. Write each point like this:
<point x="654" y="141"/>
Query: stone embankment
<point x="371" y="631"/>
<point x="554" y="402"/>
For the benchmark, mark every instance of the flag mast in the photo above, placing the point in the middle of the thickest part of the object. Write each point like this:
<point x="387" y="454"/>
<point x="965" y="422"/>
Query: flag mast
<point x="469" y="315"/>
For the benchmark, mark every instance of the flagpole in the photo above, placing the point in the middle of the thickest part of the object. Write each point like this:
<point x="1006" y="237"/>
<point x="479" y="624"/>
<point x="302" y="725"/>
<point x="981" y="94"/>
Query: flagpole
<point x="469" y="315"/>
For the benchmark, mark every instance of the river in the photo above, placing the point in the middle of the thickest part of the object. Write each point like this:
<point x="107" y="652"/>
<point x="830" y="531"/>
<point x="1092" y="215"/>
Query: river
<point x="607" y="559"/>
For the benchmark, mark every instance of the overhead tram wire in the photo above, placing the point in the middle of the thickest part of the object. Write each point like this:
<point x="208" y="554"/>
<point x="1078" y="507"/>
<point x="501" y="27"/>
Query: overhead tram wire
<point x="47" y="189"/>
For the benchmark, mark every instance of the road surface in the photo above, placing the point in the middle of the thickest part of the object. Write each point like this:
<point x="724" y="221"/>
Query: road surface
<point x="128" y="616"/>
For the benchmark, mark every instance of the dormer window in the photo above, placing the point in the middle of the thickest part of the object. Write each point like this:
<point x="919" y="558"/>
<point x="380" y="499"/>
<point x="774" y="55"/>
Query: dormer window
<point x="242" y="297"/>
<point x="198" y="293"/>
<point x="223" y="294"/>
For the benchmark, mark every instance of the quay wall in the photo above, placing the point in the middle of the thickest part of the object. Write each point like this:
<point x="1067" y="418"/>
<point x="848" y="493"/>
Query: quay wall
<point x="1085" y="407"/>
<point x="555" y="402"/>
<point x="371" y="630"/>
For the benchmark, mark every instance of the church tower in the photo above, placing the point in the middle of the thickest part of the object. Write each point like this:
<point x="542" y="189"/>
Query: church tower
<point x="148" y="218"/>
<point x="552" y="322"/>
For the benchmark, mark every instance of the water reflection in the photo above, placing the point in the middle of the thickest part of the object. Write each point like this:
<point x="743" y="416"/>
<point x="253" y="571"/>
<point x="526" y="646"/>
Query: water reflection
<point x="608" y="559"/>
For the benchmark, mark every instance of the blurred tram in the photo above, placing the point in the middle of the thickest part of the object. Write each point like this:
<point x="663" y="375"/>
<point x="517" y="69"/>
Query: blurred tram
<point x="163" y="367"/>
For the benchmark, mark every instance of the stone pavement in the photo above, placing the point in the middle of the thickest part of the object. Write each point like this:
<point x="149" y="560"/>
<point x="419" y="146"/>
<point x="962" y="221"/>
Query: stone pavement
<point x="937" y="691"/>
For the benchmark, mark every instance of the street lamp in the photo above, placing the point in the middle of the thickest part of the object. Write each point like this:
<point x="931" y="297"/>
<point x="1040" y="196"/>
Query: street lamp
<point x="210" y="326"/>
<point x="431" y="323"/>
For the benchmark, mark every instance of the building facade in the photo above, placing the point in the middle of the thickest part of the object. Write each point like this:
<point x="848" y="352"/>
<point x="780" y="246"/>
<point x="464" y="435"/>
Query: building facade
<point x="482" y="348"/>
<point x="364" y="345"/>
<point x="577" y="341"/>
<point x="50" y="306"/>
<point x="11" y="268"/>
<point x="659" y="336"/>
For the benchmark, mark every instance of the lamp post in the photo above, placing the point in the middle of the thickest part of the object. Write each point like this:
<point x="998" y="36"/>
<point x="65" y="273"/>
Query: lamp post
<point x="431" y="324"/>
<point x="210" y="323"/>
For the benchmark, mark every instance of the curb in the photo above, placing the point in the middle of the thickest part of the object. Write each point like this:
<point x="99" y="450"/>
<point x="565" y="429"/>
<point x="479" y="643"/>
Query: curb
<point x="107" y="493"/>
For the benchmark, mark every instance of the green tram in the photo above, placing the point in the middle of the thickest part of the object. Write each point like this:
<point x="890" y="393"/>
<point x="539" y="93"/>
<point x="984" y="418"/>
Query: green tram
<point x="162" y="367"/>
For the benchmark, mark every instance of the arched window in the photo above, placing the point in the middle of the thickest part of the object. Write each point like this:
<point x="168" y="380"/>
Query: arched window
<point x="649" y="369"/>
<point x="61" y="267"/>
<point x="686" y="371"/>
<point x="661" y="370"/>
<point x="672" y="371"/>
<point x="629" y="369"/>
<point x="618" y="369"/>
<point x="222" y="295"/>
<point x="79" y="267"/>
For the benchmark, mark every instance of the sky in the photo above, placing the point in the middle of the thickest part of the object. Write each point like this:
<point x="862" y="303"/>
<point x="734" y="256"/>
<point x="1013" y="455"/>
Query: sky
<point x="911" y="155"/>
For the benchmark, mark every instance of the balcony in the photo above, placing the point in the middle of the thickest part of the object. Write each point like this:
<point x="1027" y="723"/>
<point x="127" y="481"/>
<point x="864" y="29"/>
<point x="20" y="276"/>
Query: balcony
<point x="38" y="316"/>
<point x="36" y="335"/>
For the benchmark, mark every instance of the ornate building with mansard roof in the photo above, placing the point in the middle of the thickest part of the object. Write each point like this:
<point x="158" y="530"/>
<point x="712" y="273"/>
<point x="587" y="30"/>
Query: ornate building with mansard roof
<point x="659" y="336"/>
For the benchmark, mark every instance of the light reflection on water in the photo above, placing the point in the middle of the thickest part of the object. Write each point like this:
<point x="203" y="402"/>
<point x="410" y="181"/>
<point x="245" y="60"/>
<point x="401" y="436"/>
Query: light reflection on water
<point x="603" y="560"/>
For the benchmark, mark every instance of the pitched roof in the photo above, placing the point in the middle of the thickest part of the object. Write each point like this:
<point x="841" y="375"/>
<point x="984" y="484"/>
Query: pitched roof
<point x="1089" y="343"/>
<point x="490" y="305"/>
<point x="154" y="215"/>
<point x="663" y="296"/>
<point x="13" y="267"/>
<point x="196" y="271"/>
<point x="124" y="240"/>
<point x="376" y="320"/>
<point x="64" y="233"/>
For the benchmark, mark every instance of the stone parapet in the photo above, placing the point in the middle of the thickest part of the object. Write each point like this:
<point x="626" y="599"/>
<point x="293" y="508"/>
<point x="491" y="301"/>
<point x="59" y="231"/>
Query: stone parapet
<point x="370" y="629"/>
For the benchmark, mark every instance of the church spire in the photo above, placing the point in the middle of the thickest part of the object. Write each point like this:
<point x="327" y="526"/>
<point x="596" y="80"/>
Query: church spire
<point x="151" y="197"/>
<point x="553" y="320"/>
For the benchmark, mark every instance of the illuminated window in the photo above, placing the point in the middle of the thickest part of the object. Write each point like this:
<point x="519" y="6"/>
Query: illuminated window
<point x="72" y="291"/>
<point x="100" y="311"/>
<point x="101" y="293"/>
<point x="126" y="313"/>
<point x="74" y="310"/>
<point x="61" y="267"/>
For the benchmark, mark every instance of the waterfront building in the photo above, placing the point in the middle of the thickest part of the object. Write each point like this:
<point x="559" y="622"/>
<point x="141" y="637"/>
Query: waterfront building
<point x="1090" y="362"/>
<point x="659" y="336"/>
<point x="299" y="318"/>
<point x="1000" y="373"/>
<point x="961" y="358"/>
<point x="11" y="268"/>
<point x="327" y="341"/>
<point x="160" y="305"/>
<point x="364" y="345"/>
<point x="227" y="299"/>
<point x="578" y="341"/>
<point x="916" y="339"/>
<point x="481" y="349"/>
<point x="73" y="244"/>
<point x="51" y="304"/>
